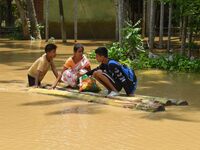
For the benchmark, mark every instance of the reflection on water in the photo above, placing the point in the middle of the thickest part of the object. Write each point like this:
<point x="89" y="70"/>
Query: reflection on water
<point x="40" y="122"/>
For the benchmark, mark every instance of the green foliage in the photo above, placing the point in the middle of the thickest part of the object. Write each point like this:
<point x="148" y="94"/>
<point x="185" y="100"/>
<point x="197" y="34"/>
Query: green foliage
<point x="129" y="51"/>
<point x="132" y="41"/>
<point x="92" y="55"/>
<point x="187" y="8"/>
<point x="192" y="46"/>
<point x="116" y="52"/>
<point x="130" y="46"/>
<point x="176" y="63"/>
<point x="17" y="34"/>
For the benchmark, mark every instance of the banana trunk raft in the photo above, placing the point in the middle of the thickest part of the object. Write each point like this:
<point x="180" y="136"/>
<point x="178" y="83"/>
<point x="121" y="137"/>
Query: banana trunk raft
<point x="140" y="102"/>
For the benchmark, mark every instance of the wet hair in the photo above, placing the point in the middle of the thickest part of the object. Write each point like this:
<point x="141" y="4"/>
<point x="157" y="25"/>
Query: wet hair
<point x="50" y="47"/>
<point x="102" y="51"/>
<point x="78" y="46"/>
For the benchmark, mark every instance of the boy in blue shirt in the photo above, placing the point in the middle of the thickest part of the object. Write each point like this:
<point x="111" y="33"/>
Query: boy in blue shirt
<point x="112" y="75"/>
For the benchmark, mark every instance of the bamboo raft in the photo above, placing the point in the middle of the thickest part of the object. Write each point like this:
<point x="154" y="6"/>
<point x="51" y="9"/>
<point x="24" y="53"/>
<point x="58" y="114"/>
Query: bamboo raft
<point x="140" y="102"/>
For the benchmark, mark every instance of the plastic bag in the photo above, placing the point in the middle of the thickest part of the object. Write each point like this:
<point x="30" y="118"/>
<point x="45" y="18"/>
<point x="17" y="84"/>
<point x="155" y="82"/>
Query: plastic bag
<point x="88" y="84"/>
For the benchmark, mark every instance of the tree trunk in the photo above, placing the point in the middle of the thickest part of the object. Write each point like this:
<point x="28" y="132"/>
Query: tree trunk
<point x="161" y="24"/>
<point x="62" y="20"/>
<point x="47" y="20"/>
<point x="131" y="10"/>
<point x="169" y="27"/>
<point x="33" y="19"/>
<point x="23" y="17"/>
<point x="121" y="18"/>
<point x="1" y="18"/>
<point x="128" y="11"/>
<point x="190" y="37"/>
<point x="151" y="25"/>
<point x="148" y="16"/>
<point x="183" y="37"/>
<point x="117" y="20"/>
<point x="75" y="20"/>
<point x="9" y="19"/>
<point x="180" y="28"/>
<point x="144" y="19"/>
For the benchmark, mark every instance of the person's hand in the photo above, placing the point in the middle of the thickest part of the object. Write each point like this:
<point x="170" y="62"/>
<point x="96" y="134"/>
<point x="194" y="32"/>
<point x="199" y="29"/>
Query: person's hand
<point x="52" y="87"/>
<point x="78" y="75"/>
<point x="35" y="86"/>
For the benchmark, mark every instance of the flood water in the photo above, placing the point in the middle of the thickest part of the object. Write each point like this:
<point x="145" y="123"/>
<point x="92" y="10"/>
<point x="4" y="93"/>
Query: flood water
<point x="39" y="122"/>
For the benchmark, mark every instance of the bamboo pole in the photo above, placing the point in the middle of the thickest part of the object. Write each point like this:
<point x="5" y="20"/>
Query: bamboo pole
<point x="147" y="103"/>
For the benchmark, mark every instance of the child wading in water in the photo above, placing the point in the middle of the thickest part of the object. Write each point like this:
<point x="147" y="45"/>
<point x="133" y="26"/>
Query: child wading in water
<point x="40" y="67"/>
<point x="112" y="75"/>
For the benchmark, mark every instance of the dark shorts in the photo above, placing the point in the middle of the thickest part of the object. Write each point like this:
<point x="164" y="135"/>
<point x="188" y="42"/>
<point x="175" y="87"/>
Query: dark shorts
<point x="31" y="81"/>
<point x="116" y="84"/>
<point x="130" y="85"/>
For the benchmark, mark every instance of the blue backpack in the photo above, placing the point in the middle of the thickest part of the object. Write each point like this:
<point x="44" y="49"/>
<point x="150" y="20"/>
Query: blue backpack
<point x="128" y="72"/>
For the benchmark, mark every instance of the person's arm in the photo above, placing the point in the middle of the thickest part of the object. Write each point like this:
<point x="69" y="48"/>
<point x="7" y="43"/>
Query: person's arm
<point x="88" y="68"/>
<point x="58" y="78"/>
<point x="53" y="68"/>
<point x="101" y="67"/>
<point x="89" y="73"/>
<point x="40" y="69"/>
<point x="82" y="72"/>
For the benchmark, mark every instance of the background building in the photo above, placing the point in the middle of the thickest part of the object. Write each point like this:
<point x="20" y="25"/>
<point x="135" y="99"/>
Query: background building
<point x="96" y="18"/>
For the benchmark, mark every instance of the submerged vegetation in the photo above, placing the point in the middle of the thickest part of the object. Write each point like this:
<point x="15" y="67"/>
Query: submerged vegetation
<point x="174" y="62"/>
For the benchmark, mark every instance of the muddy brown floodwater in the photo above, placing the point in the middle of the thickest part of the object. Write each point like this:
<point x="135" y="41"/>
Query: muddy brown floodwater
<point x="40" y="122"/>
